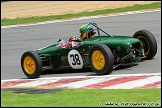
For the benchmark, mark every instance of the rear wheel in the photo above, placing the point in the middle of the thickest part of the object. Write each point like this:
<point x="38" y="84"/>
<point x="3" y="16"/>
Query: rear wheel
<point x="101" y="59"/>
<point x="149" y="43"/>
<point x="31" y="64"/>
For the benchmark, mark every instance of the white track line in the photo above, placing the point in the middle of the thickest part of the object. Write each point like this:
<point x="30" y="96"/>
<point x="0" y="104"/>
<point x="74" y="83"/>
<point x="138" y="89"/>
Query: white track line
<point x="35" y="83"/>
<point x="136" y="83"/>
<point x="89" y="80"/>
<point x="83" y="18"/>
<point x="101" y="76"/>
<point x="80" y="84"/>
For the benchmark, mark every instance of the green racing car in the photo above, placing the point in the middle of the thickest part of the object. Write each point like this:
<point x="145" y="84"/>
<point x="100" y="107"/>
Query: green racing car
<point x="102" y="53"/>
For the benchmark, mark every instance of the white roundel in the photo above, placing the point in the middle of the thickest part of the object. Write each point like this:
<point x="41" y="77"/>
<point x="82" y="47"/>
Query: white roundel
<point x="75" y="59"/>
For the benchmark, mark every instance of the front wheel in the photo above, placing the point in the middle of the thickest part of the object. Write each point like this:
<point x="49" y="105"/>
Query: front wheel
<point x="101" y="59"/>
<point x="149" y="43"/>
<point x="31" y="64"/>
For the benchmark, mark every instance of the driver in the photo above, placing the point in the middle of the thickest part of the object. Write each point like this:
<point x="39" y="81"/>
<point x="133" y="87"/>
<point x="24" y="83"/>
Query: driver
<point x="74" y="41"/>
<point x="84" y="29"/>
<point x="71" y="42"/>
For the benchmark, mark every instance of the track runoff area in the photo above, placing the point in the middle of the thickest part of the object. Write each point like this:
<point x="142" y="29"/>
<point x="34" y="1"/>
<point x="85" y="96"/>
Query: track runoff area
<point x="123" y="81"/>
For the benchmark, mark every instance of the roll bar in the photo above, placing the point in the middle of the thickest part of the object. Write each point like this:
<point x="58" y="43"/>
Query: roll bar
<point x="95" y="25"/>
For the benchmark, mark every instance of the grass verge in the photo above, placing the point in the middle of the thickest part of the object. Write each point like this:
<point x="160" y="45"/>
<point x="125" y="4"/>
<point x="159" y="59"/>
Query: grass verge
<point x="84" y="98"/>
<point x="5" y="22"/>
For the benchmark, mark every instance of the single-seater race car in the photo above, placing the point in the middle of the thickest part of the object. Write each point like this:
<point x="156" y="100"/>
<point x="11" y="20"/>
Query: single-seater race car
<point x="102" y="53"/>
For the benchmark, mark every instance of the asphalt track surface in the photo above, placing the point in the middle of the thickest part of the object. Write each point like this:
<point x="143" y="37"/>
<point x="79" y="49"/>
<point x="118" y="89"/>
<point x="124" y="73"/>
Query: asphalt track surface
<point x="16" y="40"/>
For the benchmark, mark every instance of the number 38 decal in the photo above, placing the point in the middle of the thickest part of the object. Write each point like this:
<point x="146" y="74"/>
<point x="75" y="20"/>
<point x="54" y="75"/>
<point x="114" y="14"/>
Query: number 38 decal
<point x="75" y="59"/>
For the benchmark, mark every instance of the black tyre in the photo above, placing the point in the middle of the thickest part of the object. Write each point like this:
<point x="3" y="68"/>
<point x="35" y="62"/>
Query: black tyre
<point x="149" y="43"/>
<point x="101" y="59"/>
<point x="31" y="64"/>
